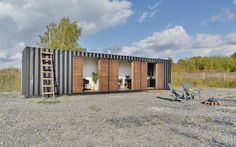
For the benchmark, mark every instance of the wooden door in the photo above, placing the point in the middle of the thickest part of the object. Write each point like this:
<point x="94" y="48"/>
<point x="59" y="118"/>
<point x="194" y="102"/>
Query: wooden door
<point x="160" y="76"/>
<point x="114" y="73"/>
<point x="144" y="69"/>
<point x="103" y="74"/>
<point x="77" y="74"/>
<point x="136" y="78"/>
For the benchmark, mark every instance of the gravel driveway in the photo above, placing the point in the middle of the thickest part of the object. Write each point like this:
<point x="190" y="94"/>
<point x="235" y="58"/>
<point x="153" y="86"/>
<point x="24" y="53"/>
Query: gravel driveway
<point x="127" y="119"/>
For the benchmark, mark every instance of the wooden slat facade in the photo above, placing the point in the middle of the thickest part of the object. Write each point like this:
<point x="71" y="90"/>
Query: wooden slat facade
<point x="160" y="76"/>
<point x="77" y="74"/>
<point x="103" y="74"/>
<point x="144" y="70"/>
<point x="136" y="78"/>
<point x="114" y="73"/>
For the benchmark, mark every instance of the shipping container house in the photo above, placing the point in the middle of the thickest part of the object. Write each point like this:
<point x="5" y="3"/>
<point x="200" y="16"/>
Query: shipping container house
<point x="87" y="72"/>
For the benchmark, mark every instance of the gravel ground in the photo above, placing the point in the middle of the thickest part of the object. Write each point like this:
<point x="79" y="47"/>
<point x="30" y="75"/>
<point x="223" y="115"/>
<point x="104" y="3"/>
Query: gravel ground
<point x="127" y="119"/>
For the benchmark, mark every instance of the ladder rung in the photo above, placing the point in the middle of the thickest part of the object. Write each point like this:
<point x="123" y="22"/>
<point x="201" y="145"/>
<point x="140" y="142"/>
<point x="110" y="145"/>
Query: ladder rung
<point x="48" y="85"/>
<point x="49" y="53"/>
<point x="46" y="58"/>
<point x="47" y="72"/>
<point x="46" y="64"/>
<point x="43" y="93"/>
<point x="47" y="78"/>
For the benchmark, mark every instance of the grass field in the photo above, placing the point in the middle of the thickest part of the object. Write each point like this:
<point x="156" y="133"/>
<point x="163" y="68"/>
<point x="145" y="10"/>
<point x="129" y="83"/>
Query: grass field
<point x="220" y="80"/>
<point x="10" y="80"/>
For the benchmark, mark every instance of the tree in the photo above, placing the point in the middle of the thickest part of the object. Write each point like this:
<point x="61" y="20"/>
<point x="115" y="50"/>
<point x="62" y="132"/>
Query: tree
<point x="233" y="55"/>
<point x="64" y="35"/>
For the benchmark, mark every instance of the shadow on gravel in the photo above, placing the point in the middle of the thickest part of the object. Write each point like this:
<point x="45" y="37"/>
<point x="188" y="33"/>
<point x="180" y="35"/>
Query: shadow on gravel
<point x="212" y="141"/>
<point x="225" y="122"/>
<point x="164" y="98"/>
<point x="138" y="121"/>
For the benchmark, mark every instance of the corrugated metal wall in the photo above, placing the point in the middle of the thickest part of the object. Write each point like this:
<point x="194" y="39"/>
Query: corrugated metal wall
<point x="63" y="68"/>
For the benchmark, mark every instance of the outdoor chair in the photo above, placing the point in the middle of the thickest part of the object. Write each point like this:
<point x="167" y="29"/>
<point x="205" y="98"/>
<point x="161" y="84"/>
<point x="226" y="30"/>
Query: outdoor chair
<point x="177" y="94"/>
<point x="85" y="84"/>
<point x="190" y="92"/>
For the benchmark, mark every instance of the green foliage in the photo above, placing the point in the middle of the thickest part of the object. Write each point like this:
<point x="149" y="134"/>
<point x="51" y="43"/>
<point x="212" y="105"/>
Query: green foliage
<point x="62" y="36"/>
<point x="95" y="77"/>
<point x="10" y="80"/>
<point x="207" y="64"/>
<point x="233" y="55"/>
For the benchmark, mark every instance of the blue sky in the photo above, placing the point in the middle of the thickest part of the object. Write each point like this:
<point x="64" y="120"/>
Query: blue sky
<point x="186" y="13"/>
<point x="151" y="28"/>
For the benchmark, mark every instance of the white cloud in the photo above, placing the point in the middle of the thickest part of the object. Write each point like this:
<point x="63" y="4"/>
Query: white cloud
<point x="152" y="10"/>
<point x="225" y="15"/>
<point x="177" y="43"/>
<point x="143" y="16"/>
<point x="22" y="21"/>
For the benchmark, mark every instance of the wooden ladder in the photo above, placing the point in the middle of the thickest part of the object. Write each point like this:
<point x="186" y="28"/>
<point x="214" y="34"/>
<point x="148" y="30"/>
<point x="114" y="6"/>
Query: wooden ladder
<point x="47" y="74"/>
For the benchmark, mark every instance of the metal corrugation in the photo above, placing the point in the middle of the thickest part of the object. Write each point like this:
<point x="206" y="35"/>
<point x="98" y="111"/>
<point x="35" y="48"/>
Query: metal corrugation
<point x="31" y="71"/>
<point x="63" y="69"/>
<point x="69" y="90"/>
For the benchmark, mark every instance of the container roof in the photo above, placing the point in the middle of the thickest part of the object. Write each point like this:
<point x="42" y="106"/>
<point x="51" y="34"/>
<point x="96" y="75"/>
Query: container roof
<point x="104" y="55"/>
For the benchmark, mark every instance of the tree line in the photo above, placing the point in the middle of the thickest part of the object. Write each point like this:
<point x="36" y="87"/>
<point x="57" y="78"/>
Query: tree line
<point x="206" y="64"/>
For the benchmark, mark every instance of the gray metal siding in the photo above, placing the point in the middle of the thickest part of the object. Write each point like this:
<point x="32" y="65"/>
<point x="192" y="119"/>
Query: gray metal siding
<point x="63" y="68"/>
<point x="25" y="72"/>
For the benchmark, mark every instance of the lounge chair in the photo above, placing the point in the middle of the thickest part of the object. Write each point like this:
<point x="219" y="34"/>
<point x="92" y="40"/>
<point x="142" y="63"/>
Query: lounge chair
<point x="177" y="94"/>
<point x="191" y="92"/>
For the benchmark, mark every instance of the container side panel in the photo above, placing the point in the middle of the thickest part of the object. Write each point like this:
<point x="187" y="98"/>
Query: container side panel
<point x="36" y="72"/>
<point x="31" y="72"/>
<point x="25" y="72"/>
<point x="60" y="73"/>
<point x="65" y="72"/>
<point x="69" y="72"/>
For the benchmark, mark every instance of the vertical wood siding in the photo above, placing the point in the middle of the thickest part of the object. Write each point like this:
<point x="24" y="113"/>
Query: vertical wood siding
<point x="135" y="65"/>
<point x="113" y="74"/>
<point x="144" y="68"/>
<point x="77" y="74"/>
<point x="160" y="76"/>
<point x="103" y="74"/>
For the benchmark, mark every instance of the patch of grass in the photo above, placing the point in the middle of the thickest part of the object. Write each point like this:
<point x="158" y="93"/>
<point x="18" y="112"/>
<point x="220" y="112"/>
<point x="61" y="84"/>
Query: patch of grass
<point x="208" y="119"/>
<point x="95" y="108"/>
<point x="49" y="102"/>
<point x="187" y="121"/>
<point x="10" y="80"/>
<point x="231" y="96"/>
<point x="159" y="123"/>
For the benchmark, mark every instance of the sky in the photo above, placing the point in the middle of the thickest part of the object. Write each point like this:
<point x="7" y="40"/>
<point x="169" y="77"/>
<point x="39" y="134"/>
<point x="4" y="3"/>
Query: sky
<point x="149" y="28"/>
